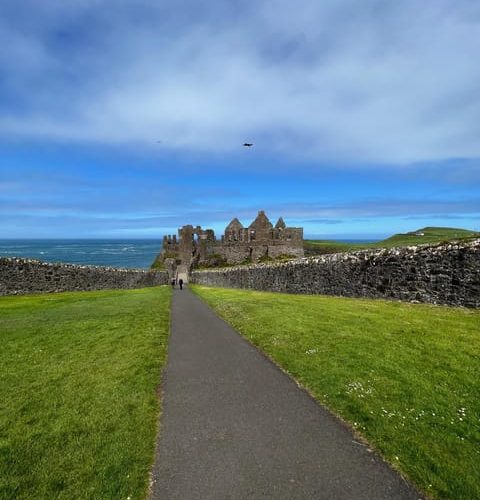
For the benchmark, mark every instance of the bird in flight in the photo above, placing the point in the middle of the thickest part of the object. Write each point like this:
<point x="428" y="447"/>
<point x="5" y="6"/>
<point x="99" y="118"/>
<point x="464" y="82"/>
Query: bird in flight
<point x="248" y="144"/>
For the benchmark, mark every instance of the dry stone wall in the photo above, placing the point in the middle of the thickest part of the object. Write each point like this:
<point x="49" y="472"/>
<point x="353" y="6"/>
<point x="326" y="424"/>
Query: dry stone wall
<point x="24" y="276"/>
<point x="437" y="274"/>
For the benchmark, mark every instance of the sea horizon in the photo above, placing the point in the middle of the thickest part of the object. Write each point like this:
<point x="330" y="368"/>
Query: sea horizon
<point x="129" y="253"/>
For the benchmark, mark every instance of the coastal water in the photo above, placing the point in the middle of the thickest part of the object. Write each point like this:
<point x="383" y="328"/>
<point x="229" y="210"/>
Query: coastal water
<point x="134" y="254"/>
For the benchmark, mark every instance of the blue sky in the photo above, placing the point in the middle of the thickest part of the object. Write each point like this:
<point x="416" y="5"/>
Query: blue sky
<point x="126" y="119"/>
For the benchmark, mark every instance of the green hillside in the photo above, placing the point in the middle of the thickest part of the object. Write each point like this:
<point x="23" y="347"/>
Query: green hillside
<point x="418" y="237"/>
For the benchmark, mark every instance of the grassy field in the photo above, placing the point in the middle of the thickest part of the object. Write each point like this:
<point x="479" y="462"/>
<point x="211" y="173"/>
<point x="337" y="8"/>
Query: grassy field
<point x="320" y="247"/>
<point x="78" y="402"/>
<point x="419" y="237"/>
<point x="405" y="376"/>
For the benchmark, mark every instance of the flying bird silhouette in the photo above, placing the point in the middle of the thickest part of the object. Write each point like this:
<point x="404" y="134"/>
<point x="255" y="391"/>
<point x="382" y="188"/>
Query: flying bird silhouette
<point x="248" y="144"/>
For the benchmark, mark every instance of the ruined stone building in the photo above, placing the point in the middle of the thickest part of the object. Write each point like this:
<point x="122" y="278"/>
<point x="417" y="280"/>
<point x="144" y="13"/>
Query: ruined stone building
<point x="261" y="240"/>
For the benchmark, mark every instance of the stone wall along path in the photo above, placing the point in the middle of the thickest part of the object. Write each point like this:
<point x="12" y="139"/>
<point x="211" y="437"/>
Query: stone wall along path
<point x="20" y="276"/>
<point x="234" y="426"/>
<point x="446" y="273"/>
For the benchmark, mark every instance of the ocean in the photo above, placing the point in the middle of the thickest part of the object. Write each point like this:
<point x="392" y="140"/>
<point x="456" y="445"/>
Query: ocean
<point x="132" y="254"/>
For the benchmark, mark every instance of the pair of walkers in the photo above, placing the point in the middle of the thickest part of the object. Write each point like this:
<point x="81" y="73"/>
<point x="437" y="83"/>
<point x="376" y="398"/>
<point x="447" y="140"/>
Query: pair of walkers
<point x="180" y="283"/>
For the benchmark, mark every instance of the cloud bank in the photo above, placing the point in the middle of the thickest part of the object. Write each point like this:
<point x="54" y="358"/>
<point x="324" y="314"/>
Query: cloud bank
<point x="359" y="81"/>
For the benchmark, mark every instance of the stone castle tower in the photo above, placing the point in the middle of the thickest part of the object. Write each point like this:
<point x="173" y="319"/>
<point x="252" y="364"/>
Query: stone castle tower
<point x="260" y="240"/>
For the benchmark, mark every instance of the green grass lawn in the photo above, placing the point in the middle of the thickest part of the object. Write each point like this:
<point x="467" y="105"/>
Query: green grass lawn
<point x="79" y="374"/>
<point x="405" y="376"/>
<point x="320" y="247"/>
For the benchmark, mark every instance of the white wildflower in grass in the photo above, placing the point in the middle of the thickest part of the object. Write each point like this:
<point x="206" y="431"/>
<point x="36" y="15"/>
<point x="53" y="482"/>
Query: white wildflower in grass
<point x="311" y="351"/>
<point x="358" y="389"/>
<point x="389" y="414"/>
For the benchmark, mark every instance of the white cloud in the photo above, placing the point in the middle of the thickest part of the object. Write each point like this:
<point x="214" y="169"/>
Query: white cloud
<point x="349" y="81"/>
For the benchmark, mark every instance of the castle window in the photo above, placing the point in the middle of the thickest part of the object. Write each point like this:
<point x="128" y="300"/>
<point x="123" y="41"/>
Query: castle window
<point x="252" y="234"/>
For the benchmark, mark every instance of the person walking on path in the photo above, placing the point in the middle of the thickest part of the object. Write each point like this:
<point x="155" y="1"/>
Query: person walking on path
<point x="180" y="282"/>
<point x="173" y="282"/>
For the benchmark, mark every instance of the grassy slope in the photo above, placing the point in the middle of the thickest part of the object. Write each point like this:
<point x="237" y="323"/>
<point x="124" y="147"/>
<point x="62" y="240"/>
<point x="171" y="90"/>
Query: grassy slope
<point x="405" y="376"/>
<point x="431" y="235"/>
<point x="78" y="403"/>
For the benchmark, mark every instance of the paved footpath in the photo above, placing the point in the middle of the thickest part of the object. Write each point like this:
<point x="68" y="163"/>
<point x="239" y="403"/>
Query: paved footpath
<point x="234" y="426"/>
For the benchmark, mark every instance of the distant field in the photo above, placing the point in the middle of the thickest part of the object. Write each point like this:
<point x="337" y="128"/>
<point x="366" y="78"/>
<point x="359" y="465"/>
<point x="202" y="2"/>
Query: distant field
<point x="78" y="402"/>
<point x="419" y="237"/>
<point x="405" y="376"/>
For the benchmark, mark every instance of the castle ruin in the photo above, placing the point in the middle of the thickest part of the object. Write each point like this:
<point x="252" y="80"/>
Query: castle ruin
<point x="197" y="247"/>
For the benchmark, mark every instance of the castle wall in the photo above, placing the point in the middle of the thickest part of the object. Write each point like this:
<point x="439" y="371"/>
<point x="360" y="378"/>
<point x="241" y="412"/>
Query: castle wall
<point x="196" y="246"/>
<point x="25" y="276"/>
<point x="239" y="252"/>
<point x="437" y="274"/>
<point x="275" y="250"/>
<point x="233" y="253"/>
